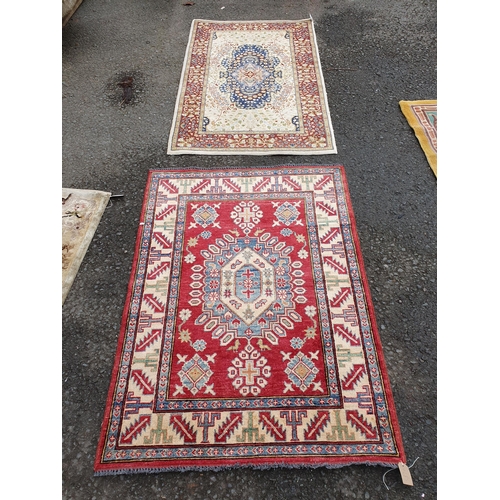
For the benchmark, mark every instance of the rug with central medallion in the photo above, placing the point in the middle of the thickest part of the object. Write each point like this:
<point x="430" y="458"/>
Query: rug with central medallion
<point x="248" y="336"/>
<point x="253" y="87"/>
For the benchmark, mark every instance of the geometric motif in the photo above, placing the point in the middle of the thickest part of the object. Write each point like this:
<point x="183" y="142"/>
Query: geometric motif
<point x="205" y="215"/>
<point x="246" y="215"/>
<point x="286" y="213"/>
<point x="252" y="87"/>
<point x="254" y="298"/>
<point x="249" y="371"/>
<point x="195" y="373"/>
<point x="301" y="371"/>
<point x="249" y="337"/>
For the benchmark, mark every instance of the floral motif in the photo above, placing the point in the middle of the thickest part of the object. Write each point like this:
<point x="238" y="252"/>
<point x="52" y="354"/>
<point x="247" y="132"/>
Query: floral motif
<point x="199" y="345"/>
<point x="310" y="311"/>
<point x="185" y="314"/>
<point x="296" y="342"/>
<point x="189" y="258"/>
<point x="302" y="254"/>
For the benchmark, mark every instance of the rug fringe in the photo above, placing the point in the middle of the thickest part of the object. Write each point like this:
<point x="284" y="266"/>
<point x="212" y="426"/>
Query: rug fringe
<point x="280" y="465"/>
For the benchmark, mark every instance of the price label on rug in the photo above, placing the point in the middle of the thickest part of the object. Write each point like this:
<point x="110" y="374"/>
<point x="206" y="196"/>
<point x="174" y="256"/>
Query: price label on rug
<point x="405" y="474"/>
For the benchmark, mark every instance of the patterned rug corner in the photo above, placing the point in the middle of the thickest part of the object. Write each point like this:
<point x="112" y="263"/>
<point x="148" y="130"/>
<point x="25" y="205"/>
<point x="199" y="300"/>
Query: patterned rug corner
<point x="422" y="118"/>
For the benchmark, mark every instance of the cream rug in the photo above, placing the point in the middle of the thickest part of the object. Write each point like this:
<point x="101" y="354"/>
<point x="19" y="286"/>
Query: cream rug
<point x="252" y="88"/>
<point x="81" y="212"/>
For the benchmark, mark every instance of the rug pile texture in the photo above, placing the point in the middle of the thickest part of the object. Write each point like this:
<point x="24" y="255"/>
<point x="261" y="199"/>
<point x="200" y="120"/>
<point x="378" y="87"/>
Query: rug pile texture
<point x="82" y="211"/>
<point x="248" y="335"/>
<point x="253" y="88"/>
<point x="422" y="117"/>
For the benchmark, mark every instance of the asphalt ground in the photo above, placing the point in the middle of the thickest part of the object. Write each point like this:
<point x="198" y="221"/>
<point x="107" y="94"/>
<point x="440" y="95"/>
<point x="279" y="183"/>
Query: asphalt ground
<point x="373" y="54"/>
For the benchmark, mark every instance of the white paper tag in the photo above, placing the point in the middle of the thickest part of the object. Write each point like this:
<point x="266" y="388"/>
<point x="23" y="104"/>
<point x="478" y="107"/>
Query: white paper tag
<point x="405" y="474"/>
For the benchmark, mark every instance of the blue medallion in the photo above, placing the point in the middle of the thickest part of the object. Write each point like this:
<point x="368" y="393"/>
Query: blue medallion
<point x="250" y="76"/>
<point x="248" y="283"/>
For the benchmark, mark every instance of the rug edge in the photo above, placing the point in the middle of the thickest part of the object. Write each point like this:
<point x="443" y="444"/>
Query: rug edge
<point x="325" y="96"/>
<point x="179" y="89"/>
<point x="412" y="120"/>
<point x="113" y="471"/>
<point x="373" y="320"/>
<point x="106" y="415"/>
<point x="273" y="152"/>
<point x="216" y="21"/>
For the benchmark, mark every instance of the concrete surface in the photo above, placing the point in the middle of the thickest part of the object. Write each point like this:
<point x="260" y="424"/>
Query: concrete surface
<point x="373" y="55"/>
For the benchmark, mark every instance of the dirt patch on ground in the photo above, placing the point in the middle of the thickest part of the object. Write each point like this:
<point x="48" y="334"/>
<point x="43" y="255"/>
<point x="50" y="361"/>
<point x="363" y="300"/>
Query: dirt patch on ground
<point x="125" y="88"/>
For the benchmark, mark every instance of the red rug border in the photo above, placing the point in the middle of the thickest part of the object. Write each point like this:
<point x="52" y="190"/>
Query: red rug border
<point x="376" y="336"/>
<point x="190" y="464"/>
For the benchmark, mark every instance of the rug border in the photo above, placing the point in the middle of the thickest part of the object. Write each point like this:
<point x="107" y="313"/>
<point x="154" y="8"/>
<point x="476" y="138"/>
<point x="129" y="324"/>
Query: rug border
<point x="418" y="130"/>
<point x="156" y="466"/>
<point x="123" y="329"/>
<point x="376" y="335"/>
<point x="272" y="151"/>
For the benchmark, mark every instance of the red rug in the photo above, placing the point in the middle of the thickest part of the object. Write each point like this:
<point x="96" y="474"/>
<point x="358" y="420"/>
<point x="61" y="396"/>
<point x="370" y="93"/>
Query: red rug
<point x="248" y="336"/>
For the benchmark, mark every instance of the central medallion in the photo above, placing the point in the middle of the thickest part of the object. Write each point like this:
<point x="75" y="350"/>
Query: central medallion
<point x="247" y="289"/>
<point x="248" y="285"/>
<point x="250" y="76"/>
